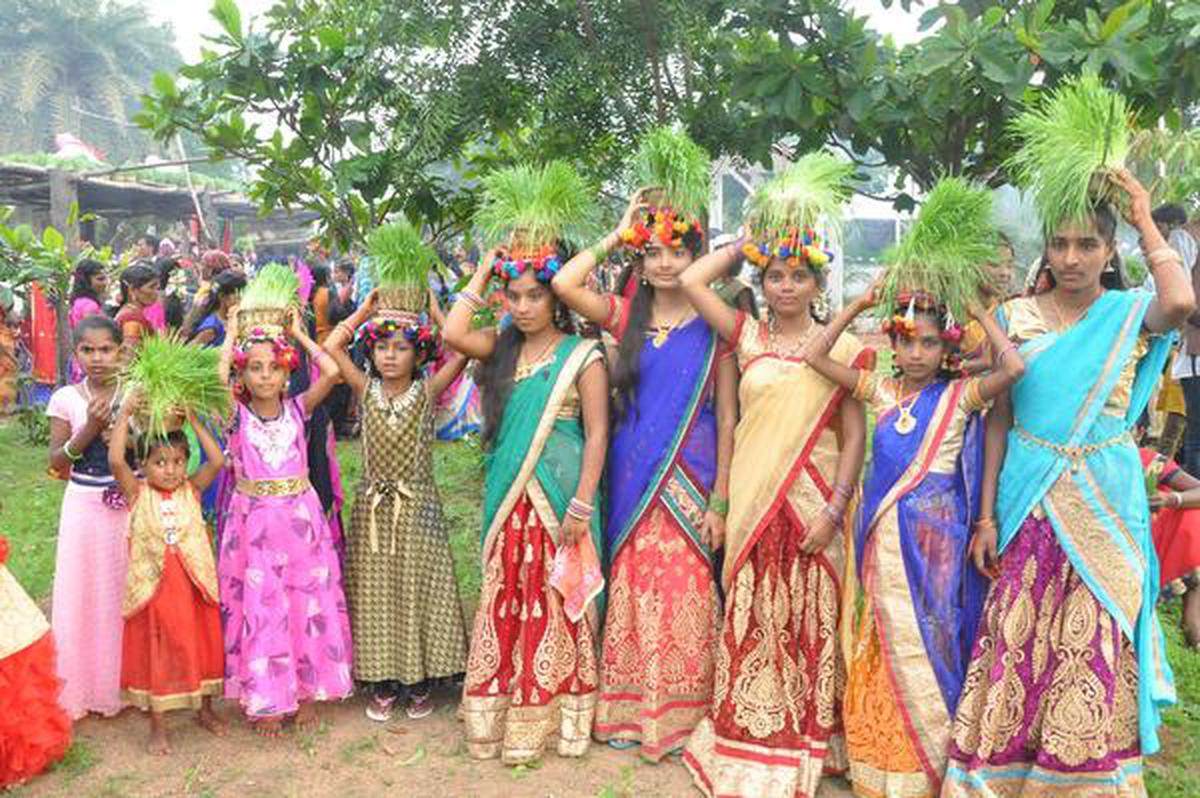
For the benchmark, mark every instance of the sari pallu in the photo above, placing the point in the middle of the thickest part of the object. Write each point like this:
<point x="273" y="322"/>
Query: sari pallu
<point x="1069" y="673"/>
<point x="532" y="672"/>
<point x="913" y="597"/>
<point x="662" y="619"/>
<point x="774" y="727"/>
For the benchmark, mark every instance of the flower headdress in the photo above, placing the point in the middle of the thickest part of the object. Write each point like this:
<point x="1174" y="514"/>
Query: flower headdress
<point x="531" y="209"/>
<point x="418" y="331"/>
<point x="784" y="213"/>
<point x="903" y="322"/>
<point x="263" y="312"/>
<point x="174" y="378"/>
<point x="943" y="252"/>
<point x="1068" y="145"/>
<point x="401" y="261"/>
<point x="679" y="172"/>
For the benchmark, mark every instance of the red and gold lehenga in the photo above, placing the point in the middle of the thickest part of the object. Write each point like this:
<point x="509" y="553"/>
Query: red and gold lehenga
<point x="663" y="614"/>
<point x="532" y="672"/>
<point x="775" y="723"/>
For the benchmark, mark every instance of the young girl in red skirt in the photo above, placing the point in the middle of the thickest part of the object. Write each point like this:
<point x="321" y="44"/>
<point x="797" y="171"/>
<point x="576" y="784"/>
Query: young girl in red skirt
<point x="1175" y="526"/>
<point x="34" y="729"/>
<point x="172" y="656"/>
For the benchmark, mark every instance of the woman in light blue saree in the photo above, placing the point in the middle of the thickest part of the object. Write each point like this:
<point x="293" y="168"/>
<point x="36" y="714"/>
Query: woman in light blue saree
<point x="1068" y="673"/>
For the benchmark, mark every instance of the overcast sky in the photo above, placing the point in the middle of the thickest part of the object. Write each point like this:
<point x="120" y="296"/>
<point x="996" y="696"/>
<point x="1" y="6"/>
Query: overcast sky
<point x="191" y="20"/>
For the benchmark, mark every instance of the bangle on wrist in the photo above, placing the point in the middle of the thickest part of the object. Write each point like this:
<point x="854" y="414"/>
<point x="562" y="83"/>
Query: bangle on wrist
<point x="985" y="523"/>
<point x="833" y="515"/>
<point x="842" y="490"/>
<point x="579" y="509"/>
<point x="70" y="455"/>
<point x="718" y="504"/>
<point x="471" y="299"/>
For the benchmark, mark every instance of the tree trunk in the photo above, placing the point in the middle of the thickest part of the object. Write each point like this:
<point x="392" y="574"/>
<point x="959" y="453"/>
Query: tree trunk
<point x="64" y="206"/>
<point x="648" y="17"/>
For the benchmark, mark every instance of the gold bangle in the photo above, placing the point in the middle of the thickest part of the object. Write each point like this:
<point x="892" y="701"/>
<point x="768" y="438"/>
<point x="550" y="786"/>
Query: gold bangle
<point x="1163" y="255"/>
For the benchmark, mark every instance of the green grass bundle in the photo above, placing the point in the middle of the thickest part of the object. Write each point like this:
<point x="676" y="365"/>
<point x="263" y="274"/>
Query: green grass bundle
<point x="670" y="161"/>
<point x="812" y="190"/>
<point x="944" y="250"/>
<point x="1067" y="145"/>
<point x="400" y="257"/>
<point x="537" y="206"/>
<point x="174" y="377"/>
<point x="274" y="287"/>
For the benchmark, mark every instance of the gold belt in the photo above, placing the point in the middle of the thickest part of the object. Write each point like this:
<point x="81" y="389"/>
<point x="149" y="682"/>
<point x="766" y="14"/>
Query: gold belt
<point x="1075" y="454"/>
<point x="292" y="486"/>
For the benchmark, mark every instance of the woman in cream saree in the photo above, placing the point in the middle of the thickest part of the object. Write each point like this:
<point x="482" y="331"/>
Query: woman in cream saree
<point x="775" y="723"/>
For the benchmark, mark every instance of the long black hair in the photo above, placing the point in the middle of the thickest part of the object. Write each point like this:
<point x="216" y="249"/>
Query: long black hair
<point x="1113" y="276"/>
<point x="225" y="284"/>
<point x="81" y="283"/>
<point x="136" y="276"/>
<point x="629" y="352"/>
<point x="495" y="375"/>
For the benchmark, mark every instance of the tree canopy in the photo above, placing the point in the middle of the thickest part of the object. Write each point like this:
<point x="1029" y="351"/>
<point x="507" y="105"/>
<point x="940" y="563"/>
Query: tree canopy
<point x="79" y="67"/>
<point x="361" y="108"/>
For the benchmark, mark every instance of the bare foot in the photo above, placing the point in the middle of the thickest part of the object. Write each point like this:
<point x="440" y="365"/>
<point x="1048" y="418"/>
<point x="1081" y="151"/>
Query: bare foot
<point x="209" y="720"/>
<point x="267" y="727"/>
<point x="1191" y="617"/>
<point x="306" y="717"/>
<point x="158" y="745"/>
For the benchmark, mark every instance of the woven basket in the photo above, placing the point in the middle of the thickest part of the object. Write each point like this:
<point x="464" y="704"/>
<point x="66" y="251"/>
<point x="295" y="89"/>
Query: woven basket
<point x="247" y="320"/>
<point x="411" y="300"/>
<point x="654" y="197"/>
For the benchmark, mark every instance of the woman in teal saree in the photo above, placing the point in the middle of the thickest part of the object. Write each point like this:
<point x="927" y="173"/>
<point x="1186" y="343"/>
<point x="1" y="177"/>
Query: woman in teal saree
<point x="532" y="673"/>
<point x="1068" y="672"/>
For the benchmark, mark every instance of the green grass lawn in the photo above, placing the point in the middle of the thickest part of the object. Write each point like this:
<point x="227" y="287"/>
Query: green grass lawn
<point x="29" y="517"/>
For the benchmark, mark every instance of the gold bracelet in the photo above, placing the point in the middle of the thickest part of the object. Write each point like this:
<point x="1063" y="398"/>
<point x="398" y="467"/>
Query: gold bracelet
<point x="1163" y="255"/>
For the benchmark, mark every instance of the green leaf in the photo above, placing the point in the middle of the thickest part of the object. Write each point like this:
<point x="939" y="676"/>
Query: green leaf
<point x="226" y="13"/>
<point x="164" y="84"/>
<point x="331" y="38"/>
<point x="993" y="16"/>
<point x="997" y="65"/>
<point x="52" y="239"/>
<point x="1117" y="18"/>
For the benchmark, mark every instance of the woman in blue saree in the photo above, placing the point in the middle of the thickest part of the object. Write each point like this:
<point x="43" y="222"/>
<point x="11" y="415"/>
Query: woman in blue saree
<point x="1068" y="672"/>
<point x="911" y="597"/>
<point x="666" y="462"/>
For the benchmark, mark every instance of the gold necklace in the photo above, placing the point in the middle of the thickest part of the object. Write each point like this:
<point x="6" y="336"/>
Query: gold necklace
<point x="1063" y="324"/>
<point x="905" y="421"/>
<point x="775" y="340"/>
<point x="527" y="367"/>
<point x="663" y="331"/>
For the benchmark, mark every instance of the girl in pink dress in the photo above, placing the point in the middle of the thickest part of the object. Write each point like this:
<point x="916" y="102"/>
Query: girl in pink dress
<point x="287" y="633"/>
<point x="89" y="569"/>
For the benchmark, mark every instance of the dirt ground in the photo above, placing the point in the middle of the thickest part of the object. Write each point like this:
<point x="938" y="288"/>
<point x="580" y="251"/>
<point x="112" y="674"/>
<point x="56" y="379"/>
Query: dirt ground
<point x="347" y="757"/>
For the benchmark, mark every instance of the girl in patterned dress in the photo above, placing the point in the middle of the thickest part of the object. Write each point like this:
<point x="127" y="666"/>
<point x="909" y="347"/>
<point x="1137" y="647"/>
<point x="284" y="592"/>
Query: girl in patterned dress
<point x="404" y="605"/>
<point x="287" y="634"/>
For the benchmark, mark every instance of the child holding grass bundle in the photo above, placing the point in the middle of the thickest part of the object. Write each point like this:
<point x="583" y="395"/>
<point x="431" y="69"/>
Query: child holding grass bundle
<point x="171" y="654"/>
<point x="913" y="596"/>
<point x="287" y="634"/>
<point x="405" y="611"/>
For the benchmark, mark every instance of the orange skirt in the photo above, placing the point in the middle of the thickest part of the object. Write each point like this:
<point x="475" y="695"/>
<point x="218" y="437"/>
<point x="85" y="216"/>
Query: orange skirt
<point x="172" y="655"/>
